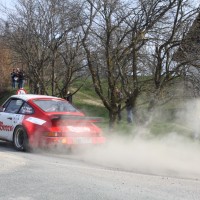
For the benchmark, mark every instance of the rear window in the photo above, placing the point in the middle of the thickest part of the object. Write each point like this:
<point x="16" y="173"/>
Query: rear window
<point x="55" y="105"/>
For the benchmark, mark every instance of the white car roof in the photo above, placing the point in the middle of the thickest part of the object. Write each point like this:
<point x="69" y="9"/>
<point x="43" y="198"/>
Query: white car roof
<point x="27" y="97"/>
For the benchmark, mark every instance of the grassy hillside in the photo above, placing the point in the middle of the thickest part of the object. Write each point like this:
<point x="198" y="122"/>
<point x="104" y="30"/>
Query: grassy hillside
<point x="87" y="101"/>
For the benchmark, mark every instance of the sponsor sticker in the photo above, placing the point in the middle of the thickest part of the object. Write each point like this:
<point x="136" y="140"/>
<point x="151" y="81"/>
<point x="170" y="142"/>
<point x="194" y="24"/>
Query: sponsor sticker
<point x="35" y="120"/>
<point x="4" y="127"/>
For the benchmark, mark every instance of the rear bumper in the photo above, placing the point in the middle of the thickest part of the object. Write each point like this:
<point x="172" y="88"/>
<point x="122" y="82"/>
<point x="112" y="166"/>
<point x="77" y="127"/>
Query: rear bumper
<point x="73" y="140"/>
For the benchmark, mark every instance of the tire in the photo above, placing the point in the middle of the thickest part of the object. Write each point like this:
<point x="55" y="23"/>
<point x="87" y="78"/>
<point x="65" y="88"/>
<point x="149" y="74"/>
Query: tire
<point x="20" y="139"/>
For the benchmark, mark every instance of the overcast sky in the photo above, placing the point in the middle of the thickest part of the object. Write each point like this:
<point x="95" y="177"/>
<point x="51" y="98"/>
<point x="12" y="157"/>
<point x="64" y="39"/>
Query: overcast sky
<point x="10" y="3"/>
<point x="7" y="3"/>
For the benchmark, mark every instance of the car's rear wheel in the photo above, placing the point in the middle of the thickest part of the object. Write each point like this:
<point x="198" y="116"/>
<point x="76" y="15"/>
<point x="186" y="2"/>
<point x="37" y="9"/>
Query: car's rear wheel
<point x="20" y="139"/>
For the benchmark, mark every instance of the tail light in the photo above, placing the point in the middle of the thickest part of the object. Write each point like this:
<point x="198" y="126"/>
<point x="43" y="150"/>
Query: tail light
<point x="53" y="134"/>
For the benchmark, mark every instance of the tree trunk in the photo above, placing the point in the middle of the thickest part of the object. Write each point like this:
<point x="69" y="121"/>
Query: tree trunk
<point x="112" y="118"/>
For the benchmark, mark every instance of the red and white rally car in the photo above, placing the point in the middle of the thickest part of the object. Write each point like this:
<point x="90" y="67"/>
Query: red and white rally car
<point x="34" y="120"/>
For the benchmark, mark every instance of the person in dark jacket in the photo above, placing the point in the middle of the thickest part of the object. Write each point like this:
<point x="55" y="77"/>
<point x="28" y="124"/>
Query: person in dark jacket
<point x="129" y="109"/>
<point x="69" y="97"/>
<point x="119" y="96"/>
<point x="21" y="76"/>
<point x="14" y="78"/>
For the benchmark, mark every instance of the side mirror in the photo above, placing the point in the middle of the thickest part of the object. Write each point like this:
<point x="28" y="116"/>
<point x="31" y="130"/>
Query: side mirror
<point x="2" y="109"/>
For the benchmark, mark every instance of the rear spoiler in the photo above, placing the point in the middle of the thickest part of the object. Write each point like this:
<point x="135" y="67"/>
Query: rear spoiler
<point x="76" y="118"/>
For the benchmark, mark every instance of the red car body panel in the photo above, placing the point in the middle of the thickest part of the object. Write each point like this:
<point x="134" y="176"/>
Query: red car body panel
<point x="44" y="127"/>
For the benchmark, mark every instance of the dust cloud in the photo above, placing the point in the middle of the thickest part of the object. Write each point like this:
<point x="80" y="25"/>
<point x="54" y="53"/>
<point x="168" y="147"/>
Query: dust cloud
<point x="173" y="154"/>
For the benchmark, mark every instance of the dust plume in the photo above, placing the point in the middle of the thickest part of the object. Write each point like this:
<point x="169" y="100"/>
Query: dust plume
<point x="173" y="154"/>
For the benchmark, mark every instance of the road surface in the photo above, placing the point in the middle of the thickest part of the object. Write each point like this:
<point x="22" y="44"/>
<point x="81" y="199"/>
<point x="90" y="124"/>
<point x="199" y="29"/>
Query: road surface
<point x="58" y="175"/>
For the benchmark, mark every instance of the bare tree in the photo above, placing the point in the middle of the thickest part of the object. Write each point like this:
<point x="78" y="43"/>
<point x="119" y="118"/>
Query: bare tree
<point x="119" y="30"/>
<point x="44" y="35"/>
<point x="164" y="41"/>
<point x="126" y="46"/>
<point x="188" y="52"/>
<point x="5" y="59"/>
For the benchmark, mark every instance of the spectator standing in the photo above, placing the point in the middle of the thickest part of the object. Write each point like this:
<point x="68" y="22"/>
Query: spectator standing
<point x="69" y="97"/>
<point x="14" y="78"/>
<point x="119" y="98"/>
<point x="129" y="109"/>
<point x="21" y="76"/>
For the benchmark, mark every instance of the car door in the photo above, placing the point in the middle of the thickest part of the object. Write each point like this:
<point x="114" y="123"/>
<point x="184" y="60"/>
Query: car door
<point x="8" y="118"/>
<point x="5" y="125"/>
